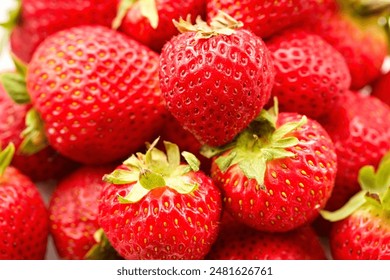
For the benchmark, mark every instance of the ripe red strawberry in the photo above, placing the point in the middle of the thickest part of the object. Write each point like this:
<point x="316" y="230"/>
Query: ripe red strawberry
<point x="265" y="18"/>
<point x="40" y="18"/>
<point x="238" y="242"/>
<point x="150" y="22"/>
<point x="363" y="44"/>
<point x="278" y="174"/>
<point x="23" y="215"/>
<point x="215" y="79"/>
<point x="361" y="228"/>
<point x="73" y="212"/>
<point x="311" y="75"/>
<point x="97" y="92"/>
<point x="381" y="88"/>
<point x="41" y="166"/>
<point x="158" y="208"/>
<point x="360" y="130"/>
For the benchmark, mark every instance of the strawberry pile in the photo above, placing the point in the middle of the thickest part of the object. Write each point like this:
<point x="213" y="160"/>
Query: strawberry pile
<point x="213" y="129"/>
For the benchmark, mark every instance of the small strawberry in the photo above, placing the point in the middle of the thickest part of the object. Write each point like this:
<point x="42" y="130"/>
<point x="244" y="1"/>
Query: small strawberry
<point x="278" y="173"/>
<point x="41" y="166"/>
<point x="23" y="215"/>
<point x="73" y="212"/>
<point x="265" y="18"/>
<point x="361" y="228"/>
<point x="215" y="79"/>
<point x="97" y="93"/>
<point x="157" y="208"/>
<point x="238" y="242"/>
<point x="381" y="88"/>
<point x="150" y="21"/>
<point x="311" y="75"/>
<point x="34" y="20"/>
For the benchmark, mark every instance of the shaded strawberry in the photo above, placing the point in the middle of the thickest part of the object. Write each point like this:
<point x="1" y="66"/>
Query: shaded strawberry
<point x="215" y="79"/>
<point x="157" y="208"/>
<point x="311" y="75"/>
<point x="73" y="212"/>
<point x="23" y="215"/>
<point x="278" y="173"/>
<point x="98" y="103"/>
<point x="150" y="21"/>
<point x="381" y="88"/>
<point x="361" y="228"/>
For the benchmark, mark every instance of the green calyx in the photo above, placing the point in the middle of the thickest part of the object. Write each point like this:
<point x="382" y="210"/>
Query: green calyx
<point x="103" y="249"/>
<point x="375" y="191"/>
<point x="147" y="8"/>
<point x="12" y="21"/>
<point x="260" y="143"/>
<point x="221" y="24"/>
<point x="6" y="156"/>
<point x="155" y="169"/>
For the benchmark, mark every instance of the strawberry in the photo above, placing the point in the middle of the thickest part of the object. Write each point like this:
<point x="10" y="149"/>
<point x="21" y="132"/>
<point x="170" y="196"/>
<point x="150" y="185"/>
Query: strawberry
<point x="361" y="42"/>
<point x="265" y="18"/>
<point x="73" y="212"/>
<point x="360" y="130"/>
<point x="41" y="166"/>
<point x="311" y="75"/>
<point x="150" y="21"/>
<point x="360" y="229"/>
<point x="215" y="79"/>
<point x="157" y="208"/>
<point x="278" y="173"/>
<point x="35" y="20"/>
<point x="238" y="242"/>
<point x="98" y="103"/>
<point x="381" y="88"/>
<point x="23" y="215"/>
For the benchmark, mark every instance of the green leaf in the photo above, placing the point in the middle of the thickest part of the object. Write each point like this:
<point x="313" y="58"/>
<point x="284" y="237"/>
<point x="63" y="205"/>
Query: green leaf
<point x="209" y="152"/>
<point x="366" y="178"/>
<point x="287" y="142"/>
<point x="254" y="168"/>
<point x="386" y="199"/>
<point x="6" y="157"/>
<point x="183" y="184"/>
<point x="121" y="177"/>
<point x="123" y="8"/>
<point x="151" y="180"/>
<point x="351" y="206"/>
<point x="20" y="66"/>
<point x="287" y="128"/>
<point x="224" y="162"/>
<point x="133" y="162"/>
<point x="136" y="193"/>
<point x="149" y="10"/>
<point x="13" y="16"/>
<point x="192" y="160"/>
<point x="373" y="199"/>
<point x="271" y="153"/>
<point x="102" y="250"/>
<point x="34" y="138"/>
<point x="173" y="154"/>
<point x="383" y="176"/>
<point x="15" y="85"/>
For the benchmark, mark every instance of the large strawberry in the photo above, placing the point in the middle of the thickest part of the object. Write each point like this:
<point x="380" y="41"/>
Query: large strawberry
<point x="150" y="21"/>
<point x="23" y="215"/>
<point x="266" y="18"/>
<point x="380" y="88"/>
<point x="311" y="75"/>
<point x="97" y="92"/>
<point x="34" y="20"/>
<point x="158" y="208"/>
<point x="278" y="173"/>
<point x="41" y="166"/>
<point x="215" y="79"/>
<point x="361" y="228"/>
<point x="73" y="212"/>
<point x="238" y="242"/>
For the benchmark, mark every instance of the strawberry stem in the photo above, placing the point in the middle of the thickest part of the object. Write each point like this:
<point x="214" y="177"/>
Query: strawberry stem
<point x="6" y="156"/>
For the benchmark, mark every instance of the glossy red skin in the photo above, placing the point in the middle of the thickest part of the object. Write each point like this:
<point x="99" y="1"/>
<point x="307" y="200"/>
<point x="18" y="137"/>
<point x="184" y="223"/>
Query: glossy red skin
<point x="215" y="87"/>
<point x="185" y="228"/>
<point x="44" y="165"/>
<point x="365" y="235"/>
<point x="73" y="211"/>
<point x="360" y="130"/>
<point x="41" y="18"/>
<point x="381" y="88"/>
<point x="23" y="218"/>
<point x="311" y="76"/>
<point x="138" y="27"/>
<point x="242" y="243"/>
<point x="364" y="50"/>
<point x="265" y="18"/>
<point x="296" y="189"/>
<point x="99" y="103"/>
